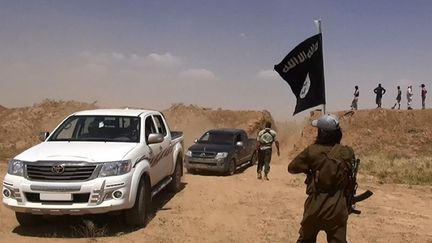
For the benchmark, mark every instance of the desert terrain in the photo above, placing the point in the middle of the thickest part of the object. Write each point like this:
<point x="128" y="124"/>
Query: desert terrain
<point x="394" y="146"/>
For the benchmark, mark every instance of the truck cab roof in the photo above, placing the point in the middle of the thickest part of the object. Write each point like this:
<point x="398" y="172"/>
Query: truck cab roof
<point x="226" y="130"/>
<point x="114" y="112"/>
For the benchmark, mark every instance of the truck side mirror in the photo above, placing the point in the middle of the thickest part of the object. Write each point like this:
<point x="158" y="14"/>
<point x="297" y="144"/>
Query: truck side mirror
<point x="155" y="138"/>
<point x="43" y="136"/>
<point x="240" y="144"/>
<point x="196" y="141"/>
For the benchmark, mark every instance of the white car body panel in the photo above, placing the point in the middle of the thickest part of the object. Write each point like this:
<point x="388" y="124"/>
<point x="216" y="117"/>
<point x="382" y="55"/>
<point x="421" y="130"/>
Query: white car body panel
<point x="77" y="151"/>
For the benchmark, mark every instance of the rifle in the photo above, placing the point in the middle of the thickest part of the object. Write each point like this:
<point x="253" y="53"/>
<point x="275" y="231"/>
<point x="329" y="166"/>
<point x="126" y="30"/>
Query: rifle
<point x="351" y="189"/>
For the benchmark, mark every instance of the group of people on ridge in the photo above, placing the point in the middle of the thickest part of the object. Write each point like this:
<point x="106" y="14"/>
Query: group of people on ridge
<point x="380" y="91"/>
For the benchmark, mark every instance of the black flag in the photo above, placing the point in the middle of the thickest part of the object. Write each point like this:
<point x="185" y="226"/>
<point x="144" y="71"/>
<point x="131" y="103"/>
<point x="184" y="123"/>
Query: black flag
<point x="303" y="70"/>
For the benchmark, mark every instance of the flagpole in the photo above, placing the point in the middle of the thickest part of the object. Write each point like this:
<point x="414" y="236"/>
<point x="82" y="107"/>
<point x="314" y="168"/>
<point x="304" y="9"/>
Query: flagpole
<point x="318" y="26"/>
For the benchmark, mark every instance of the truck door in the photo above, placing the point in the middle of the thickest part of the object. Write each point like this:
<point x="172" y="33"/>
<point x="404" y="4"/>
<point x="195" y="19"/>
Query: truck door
<point x="166" y="146"/>
<point x="248" y="148"/>
<point x="240" y="149"/>
<point x="157" y="171"/>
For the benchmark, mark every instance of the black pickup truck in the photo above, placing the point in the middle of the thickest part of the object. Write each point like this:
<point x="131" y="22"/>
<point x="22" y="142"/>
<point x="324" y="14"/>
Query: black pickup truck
<point x="221" y="150"/>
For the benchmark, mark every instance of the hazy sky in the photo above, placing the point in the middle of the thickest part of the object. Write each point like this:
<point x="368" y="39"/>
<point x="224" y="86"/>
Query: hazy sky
<point x="210" y="53"/>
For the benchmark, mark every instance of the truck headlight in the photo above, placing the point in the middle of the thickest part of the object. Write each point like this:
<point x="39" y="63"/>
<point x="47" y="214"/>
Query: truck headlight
<point x="16" y="167"/>
<point x="221" y="155"/>
<point x="115" y="168"/>
<point x="188" y="153"/>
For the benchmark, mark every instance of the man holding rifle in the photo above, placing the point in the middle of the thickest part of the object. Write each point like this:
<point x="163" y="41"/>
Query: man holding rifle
<point x="330" y="168"/>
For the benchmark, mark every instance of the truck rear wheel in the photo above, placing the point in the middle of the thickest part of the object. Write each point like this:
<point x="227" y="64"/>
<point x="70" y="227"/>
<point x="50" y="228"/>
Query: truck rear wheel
<point x="138" y="215"/>
<point x="28" y="219"/>
<point x="175" y="184"/>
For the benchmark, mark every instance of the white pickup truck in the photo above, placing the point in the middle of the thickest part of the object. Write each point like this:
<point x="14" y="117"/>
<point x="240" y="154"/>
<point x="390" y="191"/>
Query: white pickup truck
<point x="96" y="161"/>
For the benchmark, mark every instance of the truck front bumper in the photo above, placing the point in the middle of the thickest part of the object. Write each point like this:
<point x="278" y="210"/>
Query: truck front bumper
<point x="217" y="165"/>
<point x="99" y="195"/>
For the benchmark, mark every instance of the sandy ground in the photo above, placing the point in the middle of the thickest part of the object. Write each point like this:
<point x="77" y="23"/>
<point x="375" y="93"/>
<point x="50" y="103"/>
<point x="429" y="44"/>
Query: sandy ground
<point x="240" y="208"/>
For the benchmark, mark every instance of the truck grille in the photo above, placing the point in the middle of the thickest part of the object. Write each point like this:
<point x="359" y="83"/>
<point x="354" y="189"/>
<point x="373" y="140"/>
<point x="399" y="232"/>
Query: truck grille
<point x="61" y="171"/>
<point x="76" y="198"/>
<point x="202" y="163"/>
<point x="203" y="154"/>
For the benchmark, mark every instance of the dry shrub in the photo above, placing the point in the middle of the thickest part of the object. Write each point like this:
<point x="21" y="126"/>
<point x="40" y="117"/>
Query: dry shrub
<point x="402" y="134"/>
<point x="399" y="170"/>
<point x="394" y="145"/>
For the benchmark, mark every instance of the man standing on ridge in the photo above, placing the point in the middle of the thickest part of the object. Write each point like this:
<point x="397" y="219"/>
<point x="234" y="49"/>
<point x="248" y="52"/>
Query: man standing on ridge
<point x="355" y="100"/>
<point x="423" y="96"/>
<point x="398" y="98"/>
<point x="379" y="91"/>
<point x="409" y="97"/>
<point x="265" y="140"/>
<point x="326" y="164"/>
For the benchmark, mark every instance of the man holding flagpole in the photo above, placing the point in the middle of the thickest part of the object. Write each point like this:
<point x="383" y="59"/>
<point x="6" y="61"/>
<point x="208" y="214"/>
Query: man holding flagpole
<point x="326" y="164"/>
<point x="303" y="70"/>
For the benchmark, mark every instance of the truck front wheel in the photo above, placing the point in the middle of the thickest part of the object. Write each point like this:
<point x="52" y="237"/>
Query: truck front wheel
<point x="232" y="167"/>
<point x="28" y="219"/>
<point x="138" y="215"/>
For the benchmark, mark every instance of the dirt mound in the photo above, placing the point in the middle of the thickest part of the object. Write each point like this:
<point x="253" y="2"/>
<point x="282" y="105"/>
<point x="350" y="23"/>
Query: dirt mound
<point x="3" y="111"/>
<point x="2" y="108"/>
<point x="223" y="206"/>
<point x="389" y="133"/>
<point x="194" y="120"/>
<point x="19" y="127"/>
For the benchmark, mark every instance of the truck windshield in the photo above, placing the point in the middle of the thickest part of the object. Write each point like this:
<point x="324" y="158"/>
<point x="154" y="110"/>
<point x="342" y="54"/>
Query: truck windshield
<point x="98" y="128"/>
<point x="217" y="138"/>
